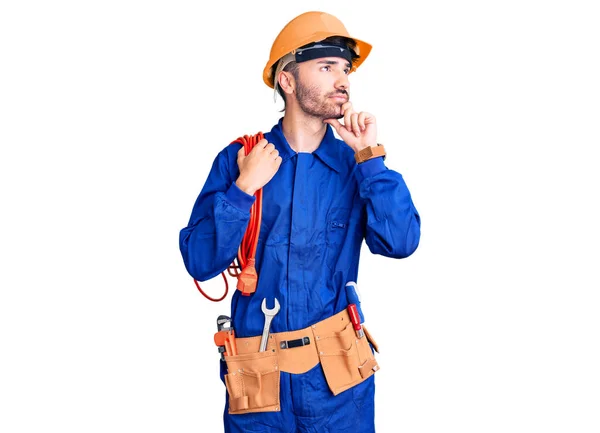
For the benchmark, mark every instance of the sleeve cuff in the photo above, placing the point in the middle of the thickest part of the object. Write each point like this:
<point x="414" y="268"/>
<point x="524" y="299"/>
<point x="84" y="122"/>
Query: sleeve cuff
<point x="239" y="198"/>
<point x="371" y="167"/>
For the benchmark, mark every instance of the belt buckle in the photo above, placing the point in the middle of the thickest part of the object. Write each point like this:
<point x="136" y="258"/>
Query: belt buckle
<point x="290" y="344"/>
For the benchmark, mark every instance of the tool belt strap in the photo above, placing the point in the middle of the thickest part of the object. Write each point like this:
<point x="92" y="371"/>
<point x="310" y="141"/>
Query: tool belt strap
<point x="299" y="358"/>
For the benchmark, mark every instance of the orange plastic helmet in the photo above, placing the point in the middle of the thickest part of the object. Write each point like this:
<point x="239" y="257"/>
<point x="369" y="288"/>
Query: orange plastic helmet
<point x="304" y="29"/>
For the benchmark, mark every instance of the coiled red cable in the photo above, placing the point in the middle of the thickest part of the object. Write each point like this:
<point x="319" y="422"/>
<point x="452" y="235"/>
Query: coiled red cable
<point x="247" y="278"/>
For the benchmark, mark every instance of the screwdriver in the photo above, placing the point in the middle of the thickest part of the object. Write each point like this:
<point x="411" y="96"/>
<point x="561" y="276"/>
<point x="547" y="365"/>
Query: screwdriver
<point x="355" y="318"/>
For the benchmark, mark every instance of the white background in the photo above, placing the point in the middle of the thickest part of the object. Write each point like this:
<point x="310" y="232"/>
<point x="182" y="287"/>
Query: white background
<point x="111" y="113"/>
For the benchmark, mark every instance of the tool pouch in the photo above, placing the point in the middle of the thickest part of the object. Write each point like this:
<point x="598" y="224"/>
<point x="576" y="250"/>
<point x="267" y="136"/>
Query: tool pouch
<point x="346" y="359"/>
<point x="252" y="382"/>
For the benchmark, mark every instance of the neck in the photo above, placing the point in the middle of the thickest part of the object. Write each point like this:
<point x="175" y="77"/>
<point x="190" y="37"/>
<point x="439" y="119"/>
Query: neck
<point x="303" y="133"/>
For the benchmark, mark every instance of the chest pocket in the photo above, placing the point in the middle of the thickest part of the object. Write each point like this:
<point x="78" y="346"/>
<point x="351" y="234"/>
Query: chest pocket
<point x="338" y="225"/>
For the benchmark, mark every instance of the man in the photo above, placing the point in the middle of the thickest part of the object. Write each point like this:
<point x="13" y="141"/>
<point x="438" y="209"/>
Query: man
<point x="321" y="197"/>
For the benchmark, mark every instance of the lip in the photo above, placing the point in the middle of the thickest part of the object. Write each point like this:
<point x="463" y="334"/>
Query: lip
<point x="343" y="98"/>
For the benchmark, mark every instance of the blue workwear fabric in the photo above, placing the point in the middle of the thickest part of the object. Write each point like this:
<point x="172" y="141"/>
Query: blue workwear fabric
<point x="317" y="210"/>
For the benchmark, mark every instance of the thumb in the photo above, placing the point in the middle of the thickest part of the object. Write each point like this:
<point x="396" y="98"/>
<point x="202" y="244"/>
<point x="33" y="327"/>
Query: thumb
<point x="335" y="123"/>
<point x="241" y="153"/>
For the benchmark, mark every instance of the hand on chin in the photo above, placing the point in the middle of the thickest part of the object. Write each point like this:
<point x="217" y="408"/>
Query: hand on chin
<point x="358" y="131"/>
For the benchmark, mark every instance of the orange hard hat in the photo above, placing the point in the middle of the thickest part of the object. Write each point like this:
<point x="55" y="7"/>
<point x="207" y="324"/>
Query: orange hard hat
<point x="307" y="28"/>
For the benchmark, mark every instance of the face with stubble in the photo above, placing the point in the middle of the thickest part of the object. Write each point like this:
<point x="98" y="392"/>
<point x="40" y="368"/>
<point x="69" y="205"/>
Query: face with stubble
<point x="322" y="87"/>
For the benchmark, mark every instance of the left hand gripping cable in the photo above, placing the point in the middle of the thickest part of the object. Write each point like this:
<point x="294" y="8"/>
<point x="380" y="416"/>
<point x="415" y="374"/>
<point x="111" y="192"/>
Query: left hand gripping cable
<point x="248" y="277"/>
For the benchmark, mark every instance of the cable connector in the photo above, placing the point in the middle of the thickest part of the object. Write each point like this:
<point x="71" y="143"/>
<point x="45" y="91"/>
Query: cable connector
<point x="248" y="279"/>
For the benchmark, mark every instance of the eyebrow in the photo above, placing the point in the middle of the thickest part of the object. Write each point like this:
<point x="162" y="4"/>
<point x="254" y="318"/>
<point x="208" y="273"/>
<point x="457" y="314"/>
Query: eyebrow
<point x="332" y="62"/>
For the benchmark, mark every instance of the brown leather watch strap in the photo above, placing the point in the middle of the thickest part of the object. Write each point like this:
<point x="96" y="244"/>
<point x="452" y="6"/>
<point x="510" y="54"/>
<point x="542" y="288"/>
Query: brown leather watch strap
<point x="369" y="153"/>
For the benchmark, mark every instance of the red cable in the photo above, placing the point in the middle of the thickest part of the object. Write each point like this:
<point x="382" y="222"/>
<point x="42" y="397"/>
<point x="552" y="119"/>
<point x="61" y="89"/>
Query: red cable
<point x="213" y="299"/>
<point x="247" y="278"/>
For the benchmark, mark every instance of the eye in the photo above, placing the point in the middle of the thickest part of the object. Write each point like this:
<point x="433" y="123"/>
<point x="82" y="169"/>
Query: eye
<point x="347" y="71"/>
<point x="328" y="67"/>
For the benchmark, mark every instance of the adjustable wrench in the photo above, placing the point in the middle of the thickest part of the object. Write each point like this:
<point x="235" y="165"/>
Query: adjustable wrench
<point x="269" y="314"/>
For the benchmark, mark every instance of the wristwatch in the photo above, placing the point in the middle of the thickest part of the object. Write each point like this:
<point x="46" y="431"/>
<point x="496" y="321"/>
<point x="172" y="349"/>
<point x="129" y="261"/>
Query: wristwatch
<point x="369" y="153"/>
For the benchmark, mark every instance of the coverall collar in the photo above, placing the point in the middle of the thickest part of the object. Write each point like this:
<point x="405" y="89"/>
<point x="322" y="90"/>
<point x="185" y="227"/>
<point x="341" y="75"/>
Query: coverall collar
<point x="328" y="150"/>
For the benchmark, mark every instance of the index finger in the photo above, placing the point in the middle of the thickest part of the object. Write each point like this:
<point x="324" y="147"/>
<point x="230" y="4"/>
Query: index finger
<point x="346" y="106"/>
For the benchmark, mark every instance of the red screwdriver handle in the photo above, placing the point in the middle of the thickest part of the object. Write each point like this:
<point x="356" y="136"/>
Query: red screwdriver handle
<point x="355" y="319"/>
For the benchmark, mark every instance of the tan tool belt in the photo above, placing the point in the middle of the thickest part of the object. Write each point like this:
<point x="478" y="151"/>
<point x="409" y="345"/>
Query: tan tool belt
<point x="253" y="377"/>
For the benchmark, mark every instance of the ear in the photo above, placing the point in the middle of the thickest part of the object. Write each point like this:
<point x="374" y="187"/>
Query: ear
<point x="286" y="82"/>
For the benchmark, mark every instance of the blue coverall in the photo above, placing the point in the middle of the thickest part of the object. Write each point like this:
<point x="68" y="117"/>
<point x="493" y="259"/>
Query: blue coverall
<point x="317" y="210"/>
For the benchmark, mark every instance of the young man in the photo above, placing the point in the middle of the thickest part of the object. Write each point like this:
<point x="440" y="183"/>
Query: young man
<point x="321" y="197"/>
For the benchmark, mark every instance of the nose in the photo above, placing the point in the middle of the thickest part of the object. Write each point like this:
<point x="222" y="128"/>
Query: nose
<point x="342" y="83"/>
